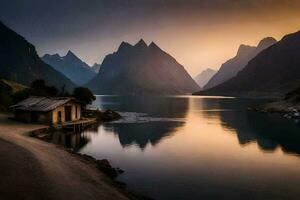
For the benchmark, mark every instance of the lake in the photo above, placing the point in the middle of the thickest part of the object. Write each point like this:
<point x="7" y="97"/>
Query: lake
<point x="187" y="147"/>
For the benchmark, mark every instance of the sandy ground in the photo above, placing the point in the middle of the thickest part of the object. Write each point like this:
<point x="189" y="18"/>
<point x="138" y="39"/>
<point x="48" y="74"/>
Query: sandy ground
<point x="31" y="169"/>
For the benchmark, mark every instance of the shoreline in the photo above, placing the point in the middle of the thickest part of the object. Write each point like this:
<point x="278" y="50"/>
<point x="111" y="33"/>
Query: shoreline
<point x="103" y="165"/>
<point x="66" y="174"/>
<point x="288" y="109"/>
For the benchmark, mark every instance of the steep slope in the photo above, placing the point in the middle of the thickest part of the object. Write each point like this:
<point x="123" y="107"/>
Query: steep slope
<point x="202" y="78"/>
<point x="14" y="87"/>
<point x="141" y="69"/>
<point x="7" y="89"/>
<point x="96" y="67"/>
<point x="71" y="66"/>
<point x="275" y="71"/>
<point x="19" y="62"/>
<point x="230" y="68"/>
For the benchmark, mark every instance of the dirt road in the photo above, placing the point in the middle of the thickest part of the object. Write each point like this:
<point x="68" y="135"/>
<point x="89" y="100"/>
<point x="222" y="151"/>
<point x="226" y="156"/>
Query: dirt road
<point x="32" y="169"/>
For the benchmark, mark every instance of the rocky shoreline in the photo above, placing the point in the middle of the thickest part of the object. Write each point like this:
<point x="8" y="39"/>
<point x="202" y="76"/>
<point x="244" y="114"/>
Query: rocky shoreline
<point x="102" y="116"/>
<point x="288" y="109"/>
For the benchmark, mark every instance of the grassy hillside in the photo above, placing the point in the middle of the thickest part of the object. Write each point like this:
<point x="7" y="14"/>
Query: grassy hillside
<point x="7" y="90"/>
<point x="16" y="87"/>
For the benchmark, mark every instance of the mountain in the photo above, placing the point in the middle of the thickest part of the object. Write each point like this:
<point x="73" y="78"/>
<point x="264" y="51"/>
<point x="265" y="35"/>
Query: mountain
<point x="20" y="62"/>
<point x="273" y="72"/>
<point x="141" y="69"/>
<point x="230" y="68"/>
<point x="202" y="78"/>
<point x="96" y="67"/>
<point x="71" y="66"/>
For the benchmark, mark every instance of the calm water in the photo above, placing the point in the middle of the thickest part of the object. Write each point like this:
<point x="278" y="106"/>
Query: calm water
<point x="197" y="148"/>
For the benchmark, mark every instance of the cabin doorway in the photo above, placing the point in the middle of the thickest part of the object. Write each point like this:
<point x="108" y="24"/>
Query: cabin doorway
<point x="34" y="117"/>
<point x="68" y="113"/>
<point x="59" y="117"/>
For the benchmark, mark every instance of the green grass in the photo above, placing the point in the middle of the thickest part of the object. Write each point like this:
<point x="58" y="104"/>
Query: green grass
<point x="15" y="87"/>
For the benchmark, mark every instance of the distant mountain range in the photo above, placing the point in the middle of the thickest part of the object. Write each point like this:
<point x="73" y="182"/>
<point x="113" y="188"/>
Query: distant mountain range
<point x="274" y="71"/>
<point x="20" y="62"/>
<point x="270" y="69"/>
<point x="230" y="68"/>
<point x="96" y="67"/>
<point x="141" y="69"/>
<point x="71" y="66"/>
<point x="202" y="78"/>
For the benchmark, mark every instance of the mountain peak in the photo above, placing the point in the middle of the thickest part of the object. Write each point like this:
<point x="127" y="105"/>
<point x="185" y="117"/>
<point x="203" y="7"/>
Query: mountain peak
<point x="52" y="57"/>
<point x="71" y="57"/>
<point x="70" y="54"/>
<point x="124" y="45"/>
<point x="202" y="78"/>
<point x="142" y="69"/>
<point x="266" y="42"/>
<point x="209" y="70"/>
<point x="47" y="55"/>
<point x="19" y="47"/>
<point x="244" y="49"/>
<point x="71" y="66"/>
<point x="154" y="46"/>
<point x="96" y="67"/>
<point x="141" y="44"/>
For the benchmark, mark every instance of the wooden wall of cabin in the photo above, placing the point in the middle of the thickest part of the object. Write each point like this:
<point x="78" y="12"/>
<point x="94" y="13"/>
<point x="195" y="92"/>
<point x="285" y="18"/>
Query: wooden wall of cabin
<point x="33" y="117"/>
<point x="74" y="107"/>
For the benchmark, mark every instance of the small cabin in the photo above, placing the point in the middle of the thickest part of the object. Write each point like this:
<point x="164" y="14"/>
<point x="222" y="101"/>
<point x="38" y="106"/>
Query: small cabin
<point x="47" y="110"/>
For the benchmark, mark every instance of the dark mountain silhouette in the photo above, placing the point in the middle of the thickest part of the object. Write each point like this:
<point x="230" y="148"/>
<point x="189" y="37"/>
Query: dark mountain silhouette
<point x="274" y="71"/>
<point x="141" y="69"/>
<point x="20" y="62"/>
<point x="202" y="78"/>
<point x="71" y="66"/>
<point x="96" y="67"/>
<point x="230" y="68"/>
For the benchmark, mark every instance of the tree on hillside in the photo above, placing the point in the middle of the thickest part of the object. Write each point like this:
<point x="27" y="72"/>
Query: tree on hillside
<point x="84" y="95"/>
<point x="37" y="88"/>
<point x="5" y="97"/>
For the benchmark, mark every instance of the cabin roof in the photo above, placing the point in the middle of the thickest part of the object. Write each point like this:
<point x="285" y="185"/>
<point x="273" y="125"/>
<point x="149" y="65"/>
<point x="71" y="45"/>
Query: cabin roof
<point x="41" y="104"/>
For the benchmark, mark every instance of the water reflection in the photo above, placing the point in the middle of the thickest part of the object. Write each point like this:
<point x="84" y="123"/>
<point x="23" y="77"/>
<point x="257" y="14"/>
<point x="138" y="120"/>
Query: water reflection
<point x="269" y="131"/>
<point x="152" y="105"/>
<point x="142" y="134"/>
<point x="75" y="141"/>
<point x="217" y="150"/>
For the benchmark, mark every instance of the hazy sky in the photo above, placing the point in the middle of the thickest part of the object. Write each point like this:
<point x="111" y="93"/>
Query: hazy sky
<point x="198" y="33"/>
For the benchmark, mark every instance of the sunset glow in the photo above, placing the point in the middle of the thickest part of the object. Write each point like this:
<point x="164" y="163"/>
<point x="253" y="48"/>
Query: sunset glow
<point x="199" y="34"/>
